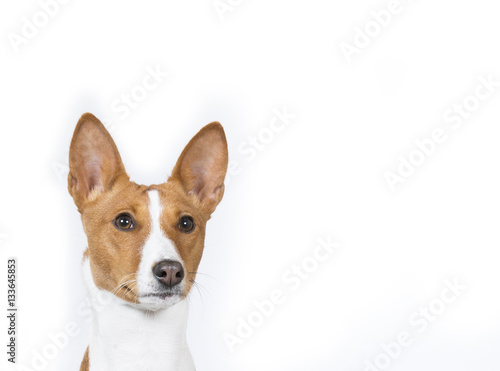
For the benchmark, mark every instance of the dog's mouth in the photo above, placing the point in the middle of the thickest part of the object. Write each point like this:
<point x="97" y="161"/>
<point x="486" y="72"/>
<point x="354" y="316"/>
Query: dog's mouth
<point x="162" y="295"/>
<point x="160" y="299"/>
<point x="154" y="296"/>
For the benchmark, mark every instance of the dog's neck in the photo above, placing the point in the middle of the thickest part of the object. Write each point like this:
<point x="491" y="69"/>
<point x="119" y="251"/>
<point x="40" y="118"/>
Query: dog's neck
<point x="125" y="338"/>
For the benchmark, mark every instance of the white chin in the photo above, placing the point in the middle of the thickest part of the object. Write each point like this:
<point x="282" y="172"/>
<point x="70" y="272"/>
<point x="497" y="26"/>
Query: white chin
<point x="154" y="303"/>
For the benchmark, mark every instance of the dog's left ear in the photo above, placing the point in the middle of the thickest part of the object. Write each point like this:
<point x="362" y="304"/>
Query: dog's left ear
<point x="201" y="167"/>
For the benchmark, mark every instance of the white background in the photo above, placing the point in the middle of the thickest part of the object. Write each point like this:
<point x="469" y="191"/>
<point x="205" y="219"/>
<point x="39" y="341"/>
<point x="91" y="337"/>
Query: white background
<point x="322" y="176"/>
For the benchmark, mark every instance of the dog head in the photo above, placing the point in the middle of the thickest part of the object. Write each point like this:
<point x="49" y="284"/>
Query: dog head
<point x="145" y="242"/>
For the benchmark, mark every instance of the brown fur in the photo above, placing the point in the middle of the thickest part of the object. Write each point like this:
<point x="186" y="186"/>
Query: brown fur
<point x="85" y="363"/>
<point x="102" y="190"/>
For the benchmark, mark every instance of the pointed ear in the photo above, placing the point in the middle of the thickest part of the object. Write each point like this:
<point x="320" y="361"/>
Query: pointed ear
<point x="202" y="166"/>
<point x="94" y="161"/>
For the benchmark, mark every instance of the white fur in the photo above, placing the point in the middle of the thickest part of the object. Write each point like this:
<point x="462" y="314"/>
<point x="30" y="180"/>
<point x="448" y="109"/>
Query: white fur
<point x="158" y="247"/>
<point x="126" y="338"/>
<point x="151" y="335"/>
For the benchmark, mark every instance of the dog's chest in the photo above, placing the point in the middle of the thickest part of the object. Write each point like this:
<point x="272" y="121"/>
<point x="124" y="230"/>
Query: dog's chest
<point x="124" y="338"/>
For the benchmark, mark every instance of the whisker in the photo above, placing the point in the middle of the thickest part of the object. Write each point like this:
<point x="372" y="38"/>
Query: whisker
<point x="205" y="275"/>
<point x="124" y="286"/>
<point x="194" y="284"/>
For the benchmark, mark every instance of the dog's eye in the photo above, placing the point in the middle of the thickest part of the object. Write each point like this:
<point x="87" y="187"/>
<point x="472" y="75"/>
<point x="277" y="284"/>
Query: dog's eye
<point x="186" y="224"/>
<point x="124" y="222"/>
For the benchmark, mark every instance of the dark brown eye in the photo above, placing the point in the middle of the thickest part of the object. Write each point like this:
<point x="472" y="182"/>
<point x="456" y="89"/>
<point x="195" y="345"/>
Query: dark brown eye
<point x="124" y="222"/>
<point x="186" y="224"/>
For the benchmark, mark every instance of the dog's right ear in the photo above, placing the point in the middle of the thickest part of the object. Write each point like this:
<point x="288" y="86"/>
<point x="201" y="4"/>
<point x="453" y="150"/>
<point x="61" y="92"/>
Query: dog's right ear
<point x="94" y="161"/>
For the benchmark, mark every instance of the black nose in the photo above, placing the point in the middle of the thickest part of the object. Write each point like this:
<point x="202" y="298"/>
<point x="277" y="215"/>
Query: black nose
<point x="169" y="272"/>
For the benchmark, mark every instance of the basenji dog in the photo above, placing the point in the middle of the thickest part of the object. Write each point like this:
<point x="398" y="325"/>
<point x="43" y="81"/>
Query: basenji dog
<point x="144" y="246"/>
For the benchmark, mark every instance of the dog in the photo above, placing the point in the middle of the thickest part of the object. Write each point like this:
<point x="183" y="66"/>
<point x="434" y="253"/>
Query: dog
<point x="144" y="246"/>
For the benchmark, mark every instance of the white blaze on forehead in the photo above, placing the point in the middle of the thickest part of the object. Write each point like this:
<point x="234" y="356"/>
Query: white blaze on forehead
<point x="158" y="246"/>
